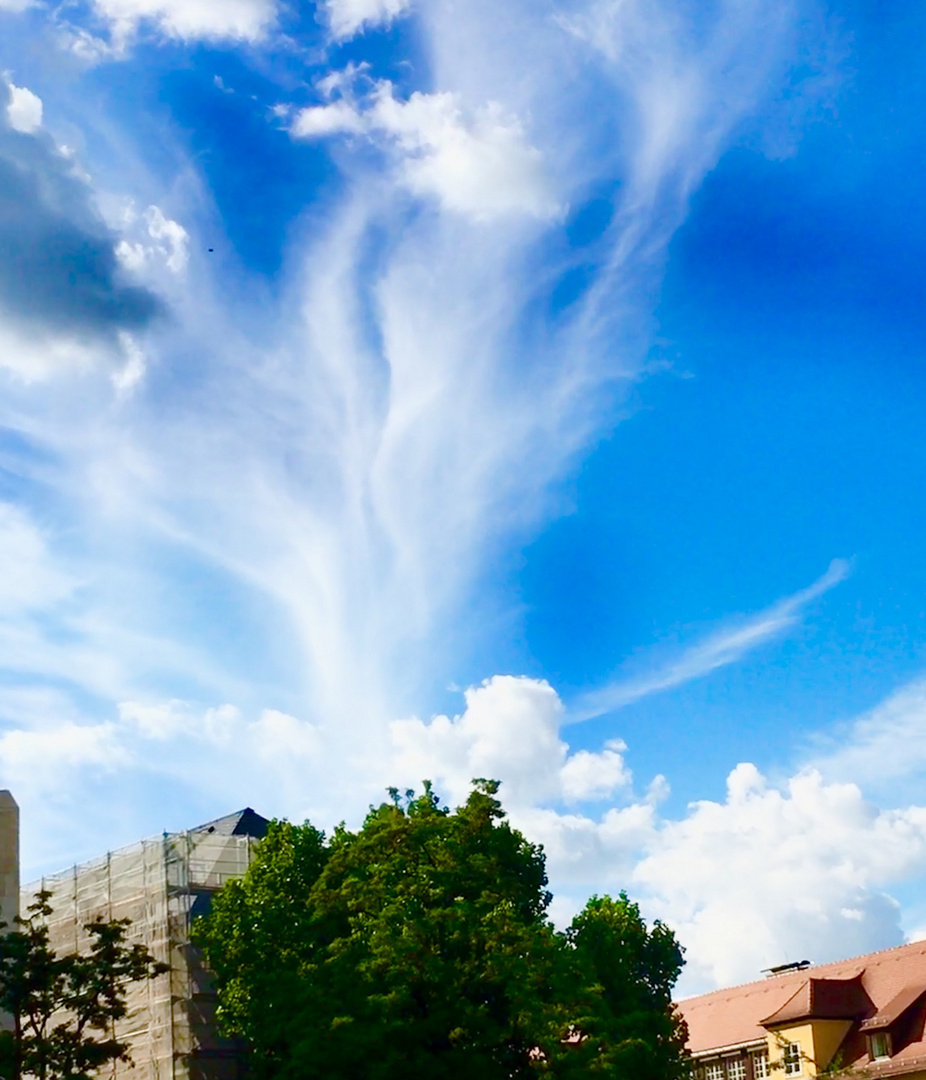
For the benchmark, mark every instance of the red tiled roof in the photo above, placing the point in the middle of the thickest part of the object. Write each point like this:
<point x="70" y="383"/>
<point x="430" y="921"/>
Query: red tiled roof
<point x="733" y="1017"/>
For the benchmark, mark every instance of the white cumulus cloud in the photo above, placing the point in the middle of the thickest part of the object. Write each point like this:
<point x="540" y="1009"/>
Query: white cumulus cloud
<point x="348" y="17"/>
<point x="781" y="873"/>
<point x="246" y="20"/>
<point x="24" y="109"/>
<point x="509" y="730"/>
<point x="479" y="163"/>
<point x="171" y="242"/>
<point x="588" y="775"/>
<point x="776" y="872"/>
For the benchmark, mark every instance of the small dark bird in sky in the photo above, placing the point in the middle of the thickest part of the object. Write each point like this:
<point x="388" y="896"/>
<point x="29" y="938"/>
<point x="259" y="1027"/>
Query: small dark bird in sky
<point x="211" y="249"/>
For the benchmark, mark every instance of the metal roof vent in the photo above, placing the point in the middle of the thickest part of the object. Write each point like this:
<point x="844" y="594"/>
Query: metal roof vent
<point x="786" y="969"/>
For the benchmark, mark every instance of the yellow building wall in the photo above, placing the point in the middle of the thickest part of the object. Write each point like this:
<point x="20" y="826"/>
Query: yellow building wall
<point x="827" y="1038"/>
<point x="819" y="1040"/>
<point x="802" y="1034"/>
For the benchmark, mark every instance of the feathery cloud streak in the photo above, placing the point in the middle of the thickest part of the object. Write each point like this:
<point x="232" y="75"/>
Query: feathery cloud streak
<point x="278" y="503"/>
<point x="882" y="748"/>
<point x="342" y="459"/>
<point x="716" y="651"/>
<point x="422" y="391"/>
<point x="360" y="465"/>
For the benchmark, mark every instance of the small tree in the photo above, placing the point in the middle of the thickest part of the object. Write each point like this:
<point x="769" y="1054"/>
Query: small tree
<point x="64" y="1008"/>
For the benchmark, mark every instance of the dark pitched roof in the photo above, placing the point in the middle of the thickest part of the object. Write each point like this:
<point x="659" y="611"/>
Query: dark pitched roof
<point x="895" y="1008"/>
<point x="246" y="822"/>
<point x="824" y="999"/>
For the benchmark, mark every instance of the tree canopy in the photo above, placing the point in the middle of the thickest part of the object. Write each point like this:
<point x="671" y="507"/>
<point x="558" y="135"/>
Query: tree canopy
<point x="64" y="1007"/>
<point x="420" y="945"/>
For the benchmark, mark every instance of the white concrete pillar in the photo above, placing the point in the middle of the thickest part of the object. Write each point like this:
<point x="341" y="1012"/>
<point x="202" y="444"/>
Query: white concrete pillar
<point x="9" y="873"/>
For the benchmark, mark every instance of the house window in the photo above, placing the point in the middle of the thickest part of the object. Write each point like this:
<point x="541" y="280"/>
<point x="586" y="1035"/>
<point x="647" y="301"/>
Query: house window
<point x="879" y="1045"/>
<point x="760" y="1065"/>
<point x="714" y="1071"/>
<point x="792" y="1059"/>
<point x="736" y="1069"/>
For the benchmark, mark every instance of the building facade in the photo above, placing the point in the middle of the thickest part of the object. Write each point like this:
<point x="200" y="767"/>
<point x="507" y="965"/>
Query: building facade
<point x="161" y="885"/>
<point x="862" y="1018"/>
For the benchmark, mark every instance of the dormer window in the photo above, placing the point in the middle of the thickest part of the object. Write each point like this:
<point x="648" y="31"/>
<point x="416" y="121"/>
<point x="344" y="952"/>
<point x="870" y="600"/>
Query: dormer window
<point x="879" y="1045"/>
<point x="792" y="1059"/>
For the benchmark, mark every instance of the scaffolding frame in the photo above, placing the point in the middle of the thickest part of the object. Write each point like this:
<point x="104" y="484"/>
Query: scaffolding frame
<point x="160" y="885"/>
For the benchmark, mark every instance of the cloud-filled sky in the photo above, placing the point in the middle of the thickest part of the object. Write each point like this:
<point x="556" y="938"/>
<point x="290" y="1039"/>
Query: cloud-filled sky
<point x="404" y="388"/>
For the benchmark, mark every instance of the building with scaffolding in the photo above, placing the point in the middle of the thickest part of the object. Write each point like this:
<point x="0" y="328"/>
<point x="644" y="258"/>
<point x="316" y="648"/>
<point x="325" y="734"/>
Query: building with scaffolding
<point x="161" y="885"/>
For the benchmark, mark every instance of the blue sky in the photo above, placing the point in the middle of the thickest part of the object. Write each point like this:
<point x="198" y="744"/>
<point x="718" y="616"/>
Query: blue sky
<point x="397" y="389"/>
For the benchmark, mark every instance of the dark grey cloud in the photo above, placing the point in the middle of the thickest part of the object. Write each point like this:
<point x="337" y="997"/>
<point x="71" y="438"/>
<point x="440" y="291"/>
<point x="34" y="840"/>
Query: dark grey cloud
<point x="58" y="268"/>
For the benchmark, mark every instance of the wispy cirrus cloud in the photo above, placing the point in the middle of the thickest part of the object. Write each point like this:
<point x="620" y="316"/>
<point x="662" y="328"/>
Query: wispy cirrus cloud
<point x="884" y="749"/>
<point x="269" y="550"/>
<point x="357" y="460"/>
<point x="724" y="647"/>
<point x="334" y="462"/>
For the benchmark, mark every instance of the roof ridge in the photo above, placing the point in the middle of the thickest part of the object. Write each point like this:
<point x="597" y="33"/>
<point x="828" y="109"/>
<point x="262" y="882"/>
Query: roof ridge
<point x="810" y="972"/>
<point x="224" y="817"/>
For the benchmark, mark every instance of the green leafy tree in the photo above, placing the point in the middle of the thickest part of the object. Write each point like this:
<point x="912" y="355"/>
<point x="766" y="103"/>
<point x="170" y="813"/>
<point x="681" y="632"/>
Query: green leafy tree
<point x="64" y="1008"/>
<point x="621" y="980"/>
<point x="420" y="945"/>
